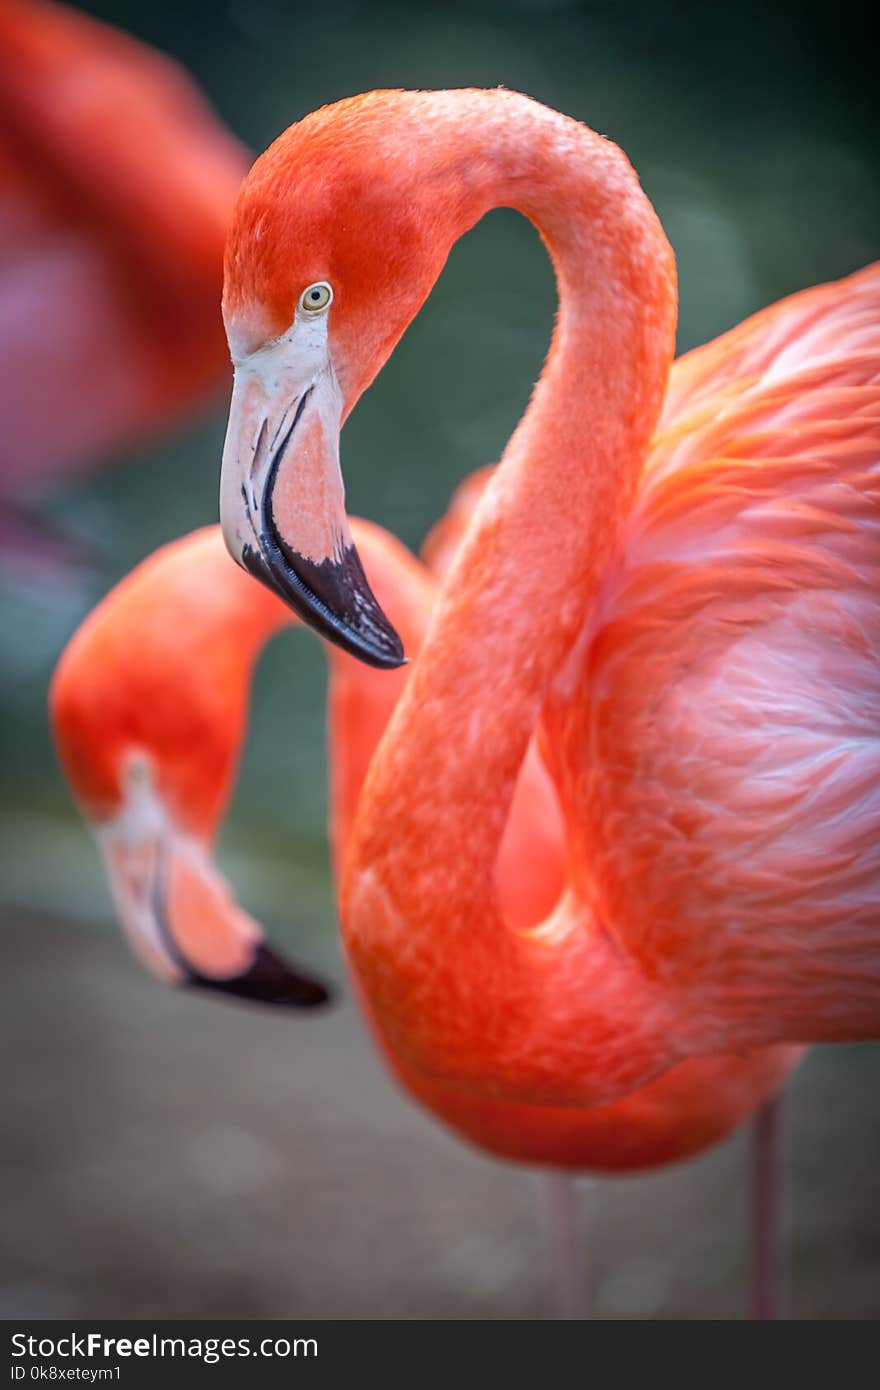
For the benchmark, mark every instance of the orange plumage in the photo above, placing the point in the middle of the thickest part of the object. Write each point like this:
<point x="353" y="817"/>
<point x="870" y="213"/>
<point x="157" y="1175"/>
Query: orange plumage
<point x="159" y="676"/>
<point x="662" y="610"/>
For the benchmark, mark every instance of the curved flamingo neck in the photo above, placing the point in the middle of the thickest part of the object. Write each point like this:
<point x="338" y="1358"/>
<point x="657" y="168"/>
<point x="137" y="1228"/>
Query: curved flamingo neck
<point x="420" y="916"/>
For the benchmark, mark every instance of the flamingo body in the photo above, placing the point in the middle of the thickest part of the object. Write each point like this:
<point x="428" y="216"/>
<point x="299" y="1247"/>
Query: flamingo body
<point x="728" y="691"/>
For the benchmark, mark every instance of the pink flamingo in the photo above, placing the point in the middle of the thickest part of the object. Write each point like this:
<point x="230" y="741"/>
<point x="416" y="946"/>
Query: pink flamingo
<point x="116" y="186"/>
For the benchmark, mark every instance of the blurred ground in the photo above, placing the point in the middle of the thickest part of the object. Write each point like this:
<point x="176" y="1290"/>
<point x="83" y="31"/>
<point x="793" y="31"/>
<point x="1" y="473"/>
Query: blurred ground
<point x="171" y="1156"/>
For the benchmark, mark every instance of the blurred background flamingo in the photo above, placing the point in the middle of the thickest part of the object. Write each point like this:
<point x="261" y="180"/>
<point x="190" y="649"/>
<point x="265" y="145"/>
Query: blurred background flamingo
<point x="116" y="184"/>
<point x="763" y="180"/>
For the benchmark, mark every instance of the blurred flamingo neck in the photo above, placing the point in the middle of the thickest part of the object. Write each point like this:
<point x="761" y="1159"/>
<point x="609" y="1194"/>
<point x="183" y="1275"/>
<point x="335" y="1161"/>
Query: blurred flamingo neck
<point x="360" y="699"/>
<point x="439" y="792"/>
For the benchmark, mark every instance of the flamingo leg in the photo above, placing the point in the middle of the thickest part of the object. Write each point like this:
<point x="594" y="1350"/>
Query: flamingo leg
<point x="570" y="1300"/>
<point x="767" y="1198"/>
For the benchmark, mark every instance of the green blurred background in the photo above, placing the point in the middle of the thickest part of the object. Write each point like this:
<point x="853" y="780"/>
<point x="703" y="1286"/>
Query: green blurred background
<point x="755" y="133"/>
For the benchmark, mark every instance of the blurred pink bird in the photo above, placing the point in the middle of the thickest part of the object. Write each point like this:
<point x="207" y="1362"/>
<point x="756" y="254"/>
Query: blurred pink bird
<point x="117" y="181"/>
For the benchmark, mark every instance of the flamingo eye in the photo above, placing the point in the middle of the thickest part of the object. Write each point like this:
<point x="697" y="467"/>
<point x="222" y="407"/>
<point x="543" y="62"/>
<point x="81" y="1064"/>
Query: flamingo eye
<point x="316" y="298"/>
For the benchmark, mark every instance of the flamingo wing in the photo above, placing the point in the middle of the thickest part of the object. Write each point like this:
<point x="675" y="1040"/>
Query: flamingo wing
<point x="726" y="747"/>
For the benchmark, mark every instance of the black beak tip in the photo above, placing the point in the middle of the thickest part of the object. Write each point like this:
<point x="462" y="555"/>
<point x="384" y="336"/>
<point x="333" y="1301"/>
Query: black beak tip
<point x="269" y="980"/>
<point x="332" y="596"/>
<point x="386" y="654"/>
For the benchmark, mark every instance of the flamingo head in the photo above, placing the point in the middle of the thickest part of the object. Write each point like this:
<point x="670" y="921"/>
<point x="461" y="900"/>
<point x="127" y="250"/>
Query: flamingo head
<point x="339" y="234"/>
<point x="147" y="706"/>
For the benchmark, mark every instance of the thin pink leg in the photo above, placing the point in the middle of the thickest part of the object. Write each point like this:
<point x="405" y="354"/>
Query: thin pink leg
<point x="767" y="1216"/>
<point x="565" y="1254"/>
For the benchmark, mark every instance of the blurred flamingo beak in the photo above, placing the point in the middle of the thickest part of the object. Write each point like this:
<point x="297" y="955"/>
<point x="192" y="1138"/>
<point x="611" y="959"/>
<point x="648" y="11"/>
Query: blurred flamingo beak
<point x="282" y="508"/>
<point x="185" y="925"/>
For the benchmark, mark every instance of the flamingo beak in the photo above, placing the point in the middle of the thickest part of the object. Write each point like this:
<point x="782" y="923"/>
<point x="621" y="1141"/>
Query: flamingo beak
<point x="185" y="925"/>
<point x="282" y="509"/>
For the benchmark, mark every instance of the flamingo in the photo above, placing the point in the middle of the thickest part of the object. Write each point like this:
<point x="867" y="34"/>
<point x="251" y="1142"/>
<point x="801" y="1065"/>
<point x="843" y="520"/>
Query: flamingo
<point x="148" y="707"/>
<point x="670" y="583"/>
<point x="117" y="182"/>
<point x="671" y="577"/>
